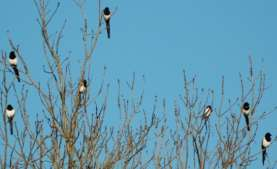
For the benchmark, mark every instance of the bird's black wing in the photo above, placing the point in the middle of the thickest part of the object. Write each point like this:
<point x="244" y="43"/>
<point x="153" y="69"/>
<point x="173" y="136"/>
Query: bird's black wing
<point x="108" y="28"/>
<point x="247" y="121"/>
<point x="16" y="72"/>
<point x="205" y="117"/>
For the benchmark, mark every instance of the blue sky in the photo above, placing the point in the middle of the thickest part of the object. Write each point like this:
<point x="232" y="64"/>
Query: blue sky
<point x="159" y="39"/>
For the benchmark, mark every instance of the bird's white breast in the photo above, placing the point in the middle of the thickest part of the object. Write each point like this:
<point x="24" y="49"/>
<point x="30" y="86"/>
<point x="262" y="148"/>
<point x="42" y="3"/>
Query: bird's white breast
<point x="106" y="17"/>
<point x="82" y="88"/>
<point x="207" y="113"/>
<point x="13" y="61"/>
<point x="10" y="113"/>
<point x="266" y="143"/>
<point x="245" y="111"/>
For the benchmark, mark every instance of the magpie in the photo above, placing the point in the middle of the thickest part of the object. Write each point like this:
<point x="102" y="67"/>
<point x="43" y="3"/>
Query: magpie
<point x="245" y="109"/>
<point x="10" y="114"/>
<point x="207" y="112"/>
<point x="265" y="143"/>
<point x="107" y="17"/>
<point x="83" y="86"/>
<point x="13" y="63"/>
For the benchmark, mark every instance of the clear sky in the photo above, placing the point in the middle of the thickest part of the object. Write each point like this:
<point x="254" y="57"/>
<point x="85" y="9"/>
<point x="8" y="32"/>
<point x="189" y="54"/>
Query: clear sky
<point x="159" y="39"/>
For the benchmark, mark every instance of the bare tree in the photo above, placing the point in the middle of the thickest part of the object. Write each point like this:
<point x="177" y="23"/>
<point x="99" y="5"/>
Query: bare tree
<point x="71" y="132"/>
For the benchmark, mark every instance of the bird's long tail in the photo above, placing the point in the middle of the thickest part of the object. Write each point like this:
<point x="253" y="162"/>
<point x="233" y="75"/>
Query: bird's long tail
<point x="108" y="28"/>
<point x="263" y="154"/>
<point x="11" y="126"/>
<point x="16" y="72"/>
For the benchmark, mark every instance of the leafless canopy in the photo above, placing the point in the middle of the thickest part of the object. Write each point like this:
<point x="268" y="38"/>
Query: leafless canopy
<point x="72" y="129"/>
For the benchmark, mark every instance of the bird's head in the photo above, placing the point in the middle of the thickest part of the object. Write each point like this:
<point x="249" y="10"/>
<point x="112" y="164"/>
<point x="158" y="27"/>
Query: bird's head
<point x="106" y="11"/>
<point x="12" y="55"/>
<point x="9" y="107"/>
<point x="268" y="136"/>
<point x="85" y="83"/>
<point x="246" y="106"/>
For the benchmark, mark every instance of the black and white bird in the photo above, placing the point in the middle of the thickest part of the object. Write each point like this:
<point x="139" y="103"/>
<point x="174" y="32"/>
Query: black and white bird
<point x="13" y="63"/>
<point x="83" y="86"/>
<point x="10" y="112"/>
<point x="207" y="112"/>
<point x="245" y="109"/>
<point x="265" y="144"/>
<point x="107" y="17"/>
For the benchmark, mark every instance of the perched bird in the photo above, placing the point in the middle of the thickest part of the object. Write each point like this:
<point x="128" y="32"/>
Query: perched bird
<point x="13" y="63"/>
<point x="245" y="109"/>
<point x="207" y="112"/>
<point x="83" y="86"/>
<point x="107" y="17"/>
<point x="10" y="114"/>
<point x="265" y="143"/>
